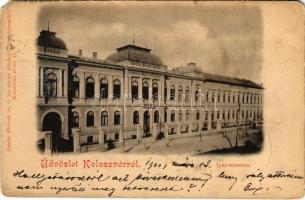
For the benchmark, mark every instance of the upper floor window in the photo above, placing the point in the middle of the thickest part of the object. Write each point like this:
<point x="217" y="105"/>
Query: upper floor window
<point x="104" y="88"/>
<point x="197" y="115"/>
<point x="218" y="114"/>
<point x="75" y="87"/>
<point x="134" y="90"/>
<point x="135" y="117"/>
<point x="196" y="94"/>
<point x="172" y="93"/>
<point x="206" y="115"/>
<point x="51" y="85"/>
<point x="212" y="115"/>
<point x="116" y="89"/>
<point x="90" y="119"/>
<point x="229" y="98"/>
<point x="104" y="118"/>
<point x="173" y="116"/>
<point x="213" y="97"/>
<point x="180" y="92"/>
<point x="180" y="116"/>
<point x="89" y="87"/>
<point x="207" y="96"/>
<point x="229" y="114"/>
<point x="223" y="115"/>
<point x="75" y="119"/>
<point x="233" y="98"/>
<point x="224" y="97"/>
<point x="117" y="118"/>
<point x="155" y="91"/>
<point x="145" y="90"/>
<point x="218" y="97"/>
<point x="187" y="94"/>
<point x="187" y="115"/>
<point x="156" y="117"/>
<point x="165" y="116"/>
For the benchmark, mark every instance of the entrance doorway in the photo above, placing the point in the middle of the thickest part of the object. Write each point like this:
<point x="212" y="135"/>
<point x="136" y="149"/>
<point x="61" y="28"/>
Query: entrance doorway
<point x="52" y="122"/>
<point x="146" y="122"/>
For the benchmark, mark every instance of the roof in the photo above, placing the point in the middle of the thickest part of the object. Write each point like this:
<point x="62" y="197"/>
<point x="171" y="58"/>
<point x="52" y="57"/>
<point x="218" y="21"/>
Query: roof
<point x="135" y="53"/>
<point x="192" y="70"/>
<point x="48" y="39"/>
<point x="228" y="80"/>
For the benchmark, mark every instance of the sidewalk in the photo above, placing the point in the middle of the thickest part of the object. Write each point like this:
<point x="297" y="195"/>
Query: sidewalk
<point x="193" y="144"/>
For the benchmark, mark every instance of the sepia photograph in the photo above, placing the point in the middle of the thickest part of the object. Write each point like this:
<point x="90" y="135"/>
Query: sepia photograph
<point x="150" y="79"/>
<point x="152" y="99"/>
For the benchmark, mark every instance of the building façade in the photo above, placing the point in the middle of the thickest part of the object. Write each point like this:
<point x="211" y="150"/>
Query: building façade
<point x="83" y="103"/>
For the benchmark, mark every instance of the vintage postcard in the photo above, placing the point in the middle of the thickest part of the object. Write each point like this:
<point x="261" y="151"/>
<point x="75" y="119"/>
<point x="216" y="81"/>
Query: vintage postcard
<point x="152" y="99"/>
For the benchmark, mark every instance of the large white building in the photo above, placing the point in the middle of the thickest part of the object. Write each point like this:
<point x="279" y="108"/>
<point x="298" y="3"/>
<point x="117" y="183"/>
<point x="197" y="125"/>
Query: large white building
<point x="132" y="96"/>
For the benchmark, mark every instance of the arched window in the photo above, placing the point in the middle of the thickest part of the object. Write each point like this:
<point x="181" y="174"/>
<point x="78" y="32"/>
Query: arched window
<point x="116" y="89"/>
<point x="180" y="116"/>
<point x="187" y="94"/>
<point x="117" y="118"/>
<point x="51" y="85"/>
<point x="218" y="97"/>
<point x="104" y="88"/>
<point x="233" y="114"/>
<point x="243" y="98"/>
<point x="172" y="93"/>
<point x="223" y="115"/>
<point x="75" y="87"/>
<point x="156" y="117"/>
<point x="224" y="97"/>
<point x="155" y="91"/>
<point x="180" y="92"/>
<point x="213" y="97"/>
<point x="196" y="94"/>
<point x="145" y="90"/>
<point x="134" y="90"/>
<point x="187" y="115"/>
<point x="89" y="87"/>
<point x="104" y="118"/>
<point x="90" y="119"/>
<point x="173" y="116"/>
<point x="75" y="119"/>
<point x="229" y="98"/>
<point x="135" y="117"/>
<point x="197" y="115"/>
<point x="233" y="98"/>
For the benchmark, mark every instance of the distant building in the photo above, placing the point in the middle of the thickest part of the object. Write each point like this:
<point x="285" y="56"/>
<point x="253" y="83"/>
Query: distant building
<point x="131" y="96"/>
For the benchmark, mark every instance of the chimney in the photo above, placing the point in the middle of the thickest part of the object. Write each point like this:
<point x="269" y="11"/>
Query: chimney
<point x="94" y="54"/>
<point x="80" y="52"/>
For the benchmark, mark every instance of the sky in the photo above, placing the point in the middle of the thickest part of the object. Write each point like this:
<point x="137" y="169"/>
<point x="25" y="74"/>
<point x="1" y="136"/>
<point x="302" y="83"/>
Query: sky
<point x="221" y="38"/>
